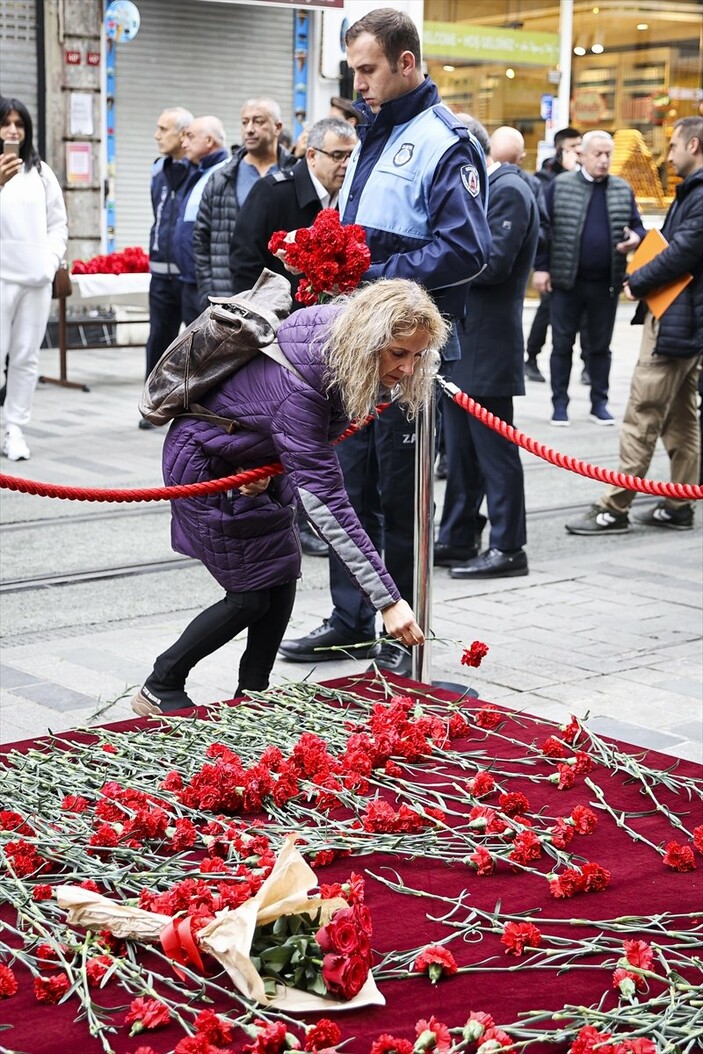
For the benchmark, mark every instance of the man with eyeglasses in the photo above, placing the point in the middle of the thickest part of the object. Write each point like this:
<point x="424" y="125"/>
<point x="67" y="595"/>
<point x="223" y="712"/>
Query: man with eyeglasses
<point x="287" y="200"/>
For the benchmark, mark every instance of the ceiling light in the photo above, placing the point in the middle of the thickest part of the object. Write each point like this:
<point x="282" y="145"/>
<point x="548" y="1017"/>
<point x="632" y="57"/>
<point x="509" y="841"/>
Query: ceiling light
<point x="579" y="49"/>
<point x="597" y="49"/>
<point x="448" y="69"/>
<point x="510" y="73"/>
<point x="642" y="25"/>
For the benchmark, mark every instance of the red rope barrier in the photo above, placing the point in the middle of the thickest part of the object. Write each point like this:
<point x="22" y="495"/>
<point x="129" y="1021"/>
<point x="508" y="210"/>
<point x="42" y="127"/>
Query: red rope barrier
<point x="680" y="491"/>
<point x="186" y="490"/>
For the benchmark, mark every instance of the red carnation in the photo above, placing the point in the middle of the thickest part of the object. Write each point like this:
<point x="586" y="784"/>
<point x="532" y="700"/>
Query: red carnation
<point x="146" y="1013"/>
<point x="679" y="857"/>
<point x="42" y="892"/>
<point x="474" y="655"/>
<point x="488" y="717"/>
<point x="552" y="748"/>
<point x="583" y="819"/>
<point x="476" y="1025"/>
<point x="8" y="982"/>
<point x="322" y="1036"/>
<point x="482" y="862"/>
<point x="627" y="982"/>
<point x="481" y="785"/>
<point x="197" y="1044"/>
<point x="387" y="1044"/>
<point x="566" y="884"/>
<point x="271" y="1038"/>
<point x="436" y="962"/>
<point x="639" y="954"/>
<point x="96" y="968"/>
<point x="589" y="1040"/>
<point x="513" y="804"/>
<point x="492" y="1038"/>
<point x="519" y="935"/>
<point x="432" y="1035"/>
<point x="51" y="989"/>
<point x="216" y="1029"/>
<point x="74" y="803"/>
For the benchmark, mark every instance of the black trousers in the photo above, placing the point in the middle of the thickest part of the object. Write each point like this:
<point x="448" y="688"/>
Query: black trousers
<point x="568" y="306"/>
<point x="165" y="316"/>
<point x="378" y="463"/>
<point x="479" y="461"/>
<point x="538" y="331"/>
<point x="265" y="612"/>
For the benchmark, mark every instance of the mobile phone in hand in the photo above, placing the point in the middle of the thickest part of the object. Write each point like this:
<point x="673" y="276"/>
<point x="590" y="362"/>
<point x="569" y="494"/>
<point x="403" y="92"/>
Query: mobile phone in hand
<point x="11" y="148"/>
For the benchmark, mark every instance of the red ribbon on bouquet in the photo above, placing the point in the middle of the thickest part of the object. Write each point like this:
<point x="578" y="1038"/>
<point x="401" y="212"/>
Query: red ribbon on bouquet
<point x="179" y="944"/>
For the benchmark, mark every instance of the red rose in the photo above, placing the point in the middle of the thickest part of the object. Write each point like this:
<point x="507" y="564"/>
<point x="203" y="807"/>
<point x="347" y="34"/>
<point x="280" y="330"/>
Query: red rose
<point x="8" y="982"/>
<point x="679" y="857"/>
<point x="51" y="989"/>
<point x="519" y="935"/>
<point x="436" y="962"/>
<point x="341" y="934"/>
<point x="345" y="976"/>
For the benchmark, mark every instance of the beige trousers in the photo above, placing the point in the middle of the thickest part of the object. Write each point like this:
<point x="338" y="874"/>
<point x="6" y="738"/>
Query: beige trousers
<point x="663" y="402"/>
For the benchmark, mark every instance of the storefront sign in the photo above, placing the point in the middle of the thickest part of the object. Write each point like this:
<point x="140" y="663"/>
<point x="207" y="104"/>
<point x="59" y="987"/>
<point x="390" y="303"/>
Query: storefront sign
<point x="446" y="40"/>
<point x="73" y="58"/>
<point x="93" y="58"/>
<point x="588" y="106"/>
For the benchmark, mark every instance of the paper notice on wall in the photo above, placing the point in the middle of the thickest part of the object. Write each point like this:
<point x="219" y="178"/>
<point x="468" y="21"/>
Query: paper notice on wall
<point x="79" y="162"/>
<point x="81" y="113"/>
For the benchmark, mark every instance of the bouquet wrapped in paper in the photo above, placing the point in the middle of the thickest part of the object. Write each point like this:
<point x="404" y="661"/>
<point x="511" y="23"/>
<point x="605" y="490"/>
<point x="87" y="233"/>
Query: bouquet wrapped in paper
<point x="332" y="258"/>
<point x="281" y="948"/>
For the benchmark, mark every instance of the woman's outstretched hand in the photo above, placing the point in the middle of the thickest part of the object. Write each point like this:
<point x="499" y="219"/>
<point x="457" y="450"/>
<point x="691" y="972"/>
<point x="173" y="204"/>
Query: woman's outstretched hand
<point x="400" y="624"/>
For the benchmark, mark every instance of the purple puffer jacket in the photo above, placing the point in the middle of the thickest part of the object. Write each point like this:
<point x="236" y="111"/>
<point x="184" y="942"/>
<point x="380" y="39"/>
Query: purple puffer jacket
<point x="252" y="543"/>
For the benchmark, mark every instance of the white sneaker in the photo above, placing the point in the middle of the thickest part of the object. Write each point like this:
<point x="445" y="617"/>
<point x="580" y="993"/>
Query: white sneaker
<point x="14" y="446"/>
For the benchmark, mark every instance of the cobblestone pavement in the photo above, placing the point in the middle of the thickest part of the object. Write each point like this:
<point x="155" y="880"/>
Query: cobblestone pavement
<point x="609" y="627"/>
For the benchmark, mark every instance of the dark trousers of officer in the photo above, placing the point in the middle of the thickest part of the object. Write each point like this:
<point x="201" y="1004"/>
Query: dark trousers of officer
<point x="538" y="331"/>
<point x="192" y="302"/>
<point x="480" y="461"/>
<point x="594" y="300"/>
<point x="165" y="317"/>
<point x="378" y="463"/>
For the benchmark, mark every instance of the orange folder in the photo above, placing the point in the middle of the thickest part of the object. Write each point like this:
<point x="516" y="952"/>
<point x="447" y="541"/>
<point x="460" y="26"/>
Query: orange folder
<point x="659" y="299"/>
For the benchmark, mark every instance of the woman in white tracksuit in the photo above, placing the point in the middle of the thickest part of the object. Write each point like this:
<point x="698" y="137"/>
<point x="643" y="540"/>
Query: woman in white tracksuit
<point x="33" y="236"/>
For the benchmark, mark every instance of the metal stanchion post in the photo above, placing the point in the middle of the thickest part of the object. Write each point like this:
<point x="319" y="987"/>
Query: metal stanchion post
<point x="424" y="536"/>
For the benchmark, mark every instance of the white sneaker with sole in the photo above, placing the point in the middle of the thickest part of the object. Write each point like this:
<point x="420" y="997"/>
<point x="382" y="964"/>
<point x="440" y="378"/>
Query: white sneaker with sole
<point x="14" y="447"/>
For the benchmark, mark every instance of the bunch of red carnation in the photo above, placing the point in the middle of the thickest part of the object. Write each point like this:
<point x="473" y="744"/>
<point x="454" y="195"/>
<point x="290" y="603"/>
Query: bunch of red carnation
<point x="129" y="261"/>
<point x="332" y="960"/>
<point x="331" y="257"/>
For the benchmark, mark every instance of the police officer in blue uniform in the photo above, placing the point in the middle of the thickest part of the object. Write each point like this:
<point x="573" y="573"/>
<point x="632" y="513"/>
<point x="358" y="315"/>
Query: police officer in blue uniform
<point x="417" y="184"/>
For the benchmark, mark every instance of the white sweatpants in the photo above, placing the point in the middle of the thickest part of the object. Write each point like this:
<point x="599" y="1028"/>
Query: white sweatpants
<point x="24" y="313"/>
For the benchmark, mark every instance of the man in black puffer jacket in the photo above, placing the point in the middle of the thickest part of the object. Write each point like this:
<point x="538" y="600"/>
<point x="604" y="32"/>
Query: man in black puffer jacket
<point x="226" y="192"/>
<point x="663" y="392"/>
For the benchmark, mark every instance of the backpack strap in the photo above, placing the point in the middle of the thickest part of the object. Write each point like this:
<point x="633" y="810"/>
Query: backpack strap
<point x="230" y="425"/>
<point x="274" y="351"/>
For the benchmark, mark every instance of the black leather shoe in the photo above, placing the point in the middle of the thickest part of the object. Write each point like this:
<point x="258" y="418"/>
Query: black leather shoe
<point x="323" y="644"/>
<point x="493" y="563"/>
<point x="452" y="555"/>
<point x="311" y="544"/>
<point x="533" y="372"/>
<point x="394" y="657"/>
<point x="144" y="424"/>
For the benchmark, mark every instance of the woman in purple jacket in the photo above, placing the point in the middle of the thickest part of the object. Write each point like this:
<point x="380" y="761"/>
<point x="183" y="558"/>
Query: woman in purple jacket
<point x="348" y="356"/>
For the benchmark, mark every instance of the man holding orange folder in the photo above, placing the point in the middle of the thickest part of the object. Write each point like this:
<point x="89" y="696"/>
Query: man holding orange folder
<point x="663" y="391"/>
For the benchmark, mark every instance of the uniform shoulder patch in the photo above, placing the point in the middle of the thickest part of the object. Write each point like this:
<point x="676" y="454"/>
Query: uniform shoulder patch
<point x="471" y="179"/>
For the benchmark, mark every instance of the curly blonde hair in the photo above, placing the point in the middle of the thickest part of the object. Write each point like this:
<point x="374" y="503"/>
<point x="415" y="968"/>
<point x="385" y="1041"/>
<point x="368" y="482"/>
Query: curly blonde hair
<point x="372" y="318"/>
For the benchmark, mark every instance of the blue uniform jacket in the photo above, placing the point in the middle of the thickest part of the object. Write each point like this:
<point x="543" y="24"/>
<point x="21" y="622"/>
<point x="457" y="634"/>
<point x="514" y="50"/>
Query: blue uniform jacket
<point x="170" y="180"/>
<point x="189" y="205"/>
<point x="451" y="194"/>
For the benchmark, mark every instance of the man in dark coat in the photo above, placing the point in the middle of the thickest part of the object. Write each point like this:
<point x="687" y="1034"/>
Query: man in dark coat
<point x="285" y="201"/>
<point x="663" y="391"/>
<point x="491" y="371"/>
<point x="224" y="195"/>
